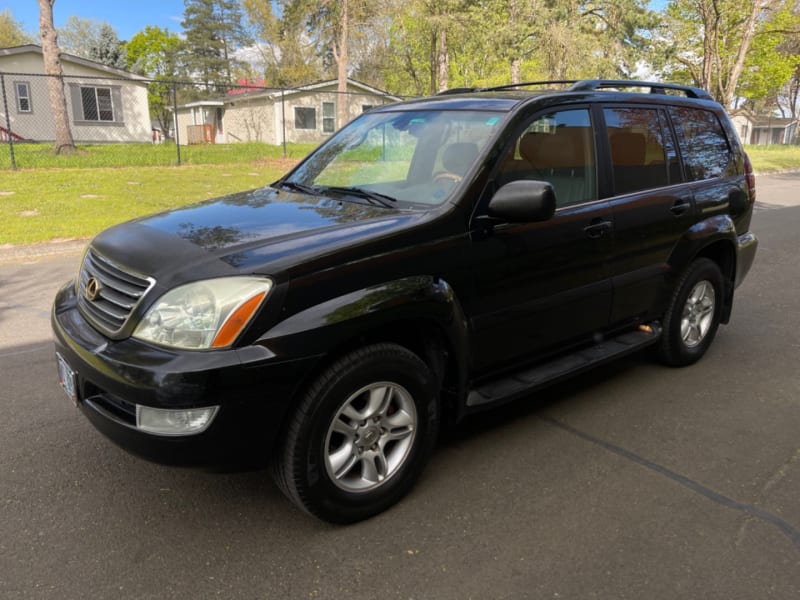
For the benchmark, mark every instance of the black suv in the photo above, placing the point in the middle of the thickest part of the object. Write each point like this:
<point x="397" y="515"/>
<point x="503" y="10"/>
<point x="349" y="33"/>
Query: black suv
<point x="432" y="259"/>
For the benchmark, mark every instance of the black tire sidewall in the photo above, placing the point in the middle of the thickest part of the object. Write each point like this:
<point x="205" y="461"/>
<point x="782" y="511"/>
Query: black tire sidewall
<point x="378" y="363"/>
<point x="673" y="349"/>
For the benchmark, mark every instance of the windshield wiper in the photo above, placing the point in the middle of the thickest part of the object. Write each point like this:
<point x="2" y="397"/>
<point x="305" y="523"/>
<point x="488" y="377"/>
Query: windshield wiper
<point x="368" y="195"/>
<point x="298" y="187"/>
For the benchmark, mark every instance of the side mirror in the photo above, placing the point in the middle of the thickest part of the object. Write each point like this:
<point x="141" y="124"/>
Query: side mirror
<point x="523" y="201"/>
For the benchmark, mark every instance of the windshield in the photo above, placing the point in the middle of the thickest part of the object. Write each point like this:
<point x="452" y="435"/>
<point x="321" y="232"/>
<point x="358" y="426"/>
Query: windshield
<point x="410" y="158"/>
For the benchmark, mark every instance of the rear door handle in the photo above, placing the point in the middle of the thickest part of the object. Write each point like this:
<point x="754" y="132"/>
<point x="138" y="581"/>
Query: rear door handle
<point x="597" y="228"/>
<point x="680" y="207"/>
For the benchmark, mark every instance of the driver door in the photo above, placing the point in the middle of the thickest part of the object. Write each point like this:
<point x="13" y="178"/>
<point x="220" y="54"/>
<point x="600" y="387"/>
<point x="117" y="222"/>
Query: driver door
<point x="542" y="286"/>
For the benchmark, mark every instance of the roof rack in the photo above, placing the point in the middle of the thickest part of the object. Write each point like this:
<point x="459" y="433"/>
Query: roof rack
<point x="589" y="85"/>
<point x="508" y="86"/>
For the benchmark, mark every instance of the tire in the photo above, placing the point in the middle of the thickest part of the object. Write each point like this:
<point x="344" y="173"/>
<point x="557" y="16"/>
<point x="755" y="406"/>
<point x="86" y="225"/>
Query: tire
<point x="692" y="319"/>
<point x="361" y="435"/>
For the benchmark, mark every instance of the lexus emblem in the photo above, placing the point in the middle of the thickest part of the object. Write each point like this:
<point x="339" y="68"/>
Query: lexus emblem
<point x="92" y="289"/>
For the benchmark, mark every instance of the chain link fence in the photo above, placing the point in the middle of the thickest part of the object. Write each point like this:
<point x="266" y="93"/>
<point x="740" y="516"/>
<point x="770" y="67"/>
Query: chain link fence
<point x="118" y="122"/>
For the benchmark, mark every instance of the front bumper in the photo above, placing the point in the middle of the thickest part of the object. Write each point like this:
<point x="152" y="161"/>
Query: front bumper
<point x="252" y="387"/>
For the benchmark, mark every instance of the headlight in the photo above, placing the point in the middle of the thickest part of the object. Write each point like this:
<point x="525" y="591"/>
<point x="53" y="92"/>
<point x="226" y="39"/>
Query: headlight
<point x="205" y="314"/>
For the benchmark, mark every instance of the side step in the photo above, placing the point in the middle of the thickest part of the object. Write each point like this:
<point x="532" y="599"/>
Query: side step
<point x="523" y="382"/>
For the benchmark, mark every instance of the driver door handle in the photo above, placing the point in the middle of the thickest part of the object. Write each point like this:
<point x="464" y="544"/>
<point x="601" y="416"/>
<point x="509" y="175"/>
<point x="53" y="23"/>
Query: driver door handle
<point x="598" y="228"/>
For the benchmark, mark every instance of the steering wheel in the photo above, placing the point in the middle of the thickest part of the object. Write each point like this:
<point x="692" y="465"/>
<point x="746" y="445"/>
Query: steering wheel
<point x="447" y="176"/>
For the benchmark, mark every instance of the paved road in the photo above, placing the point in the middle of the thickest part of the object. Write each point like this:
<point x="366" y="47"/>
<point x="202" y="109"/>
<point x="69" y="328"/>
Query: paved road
<point x="636" y="481"/>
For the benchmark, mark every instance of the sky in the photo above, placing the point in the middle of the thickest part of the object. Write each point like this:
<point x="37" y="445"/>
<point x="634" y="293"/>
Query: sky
<point x="128" y="18"/>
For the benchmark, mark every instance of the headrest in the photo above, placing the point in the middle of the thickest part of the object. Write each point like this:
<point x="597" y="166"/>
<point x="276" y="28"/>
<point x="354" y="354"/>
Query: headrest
<point x="458" y="157"/>
<point x="628" y="149"/>
<point x="561" y="149"/>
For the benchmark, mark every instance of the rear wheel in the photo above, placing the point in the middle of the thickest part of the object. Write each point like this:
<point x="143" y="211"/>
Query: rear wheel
<point x="693" y="315"/>
<point x="361" y="435"/>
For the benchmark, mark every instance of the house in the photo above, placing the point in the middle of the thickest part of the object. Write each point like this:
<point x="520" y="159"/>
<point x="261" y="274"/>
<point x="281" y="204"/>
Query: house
<point x="764" y="129"/>
<point x="303" y="114"/>
<point x="104" y="104"/>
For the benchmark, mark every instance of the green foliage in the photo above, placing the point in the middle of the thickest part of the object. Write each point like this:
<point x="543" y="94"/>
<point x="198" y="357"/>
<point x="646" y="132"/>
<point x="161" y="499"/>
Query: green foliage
<point x="718" y="44"/>
<point x="772" y="60"/>
<point x="157" y="53"/>
<point x="528" y="39"/>
<point x="78" y="35"/>
<point x="11" y="33"/>
<point x="288" y="57"/>
<point x="214" y="29"/>
<point x="107" y="49"/>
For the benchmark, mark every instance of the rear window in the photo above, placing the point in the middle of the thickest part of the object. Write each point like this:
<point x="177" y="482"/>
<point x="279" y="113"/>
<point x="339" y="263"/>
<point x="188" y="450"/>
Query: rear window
<point x="703" y="143"/>
<point x="642" y="150"/>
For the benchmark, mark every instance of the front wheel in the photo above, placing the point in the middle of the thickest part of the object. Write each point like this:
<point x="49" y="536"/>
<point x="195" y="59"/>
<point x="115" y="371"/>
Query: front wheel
<point x="693" y="315"/>
<point x="361" y="435"/>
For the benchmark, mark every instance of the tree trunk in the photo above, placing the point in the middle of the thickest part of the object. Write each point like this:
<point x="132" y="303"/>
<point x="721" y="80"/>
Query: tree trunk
<point x="341" y="64"/>
<point x="55" y="78"/>
<point x="515" y="70"/>
<point x="728" y="92"/>
<point x="443" y="61"/>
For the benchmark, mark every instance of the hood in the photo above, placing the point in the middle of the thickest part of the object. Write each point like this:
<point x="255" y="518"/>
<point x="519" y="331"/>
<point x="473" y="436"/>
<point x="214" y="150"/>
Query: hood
<point x="263" y="230"/>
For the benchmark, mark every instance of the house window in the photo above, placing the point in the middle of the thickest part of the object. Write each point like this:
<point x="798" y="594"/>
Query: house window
<point x="328" y="117"/>
<point x="97" y="104"/>
<point x="23" y="89"/>
<point x="305" y="117"/>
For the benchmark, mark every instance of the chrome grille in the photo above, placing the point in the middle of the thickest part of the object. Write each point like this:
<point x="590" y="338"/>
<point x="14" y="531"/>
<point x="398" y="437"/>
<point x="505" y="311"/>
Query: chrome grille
<point x="120" y="291"/>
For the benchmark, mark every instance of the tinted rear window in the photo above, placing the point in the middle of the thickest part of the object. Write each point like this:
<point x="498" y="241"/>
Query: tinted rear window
<point x="704" y="145"/>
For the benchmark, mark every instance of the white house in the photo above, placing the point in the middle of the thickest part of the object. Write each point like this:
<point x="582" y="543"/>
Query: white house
<point x="303" y="114"/>
<point x="762" y="130"/>
<point x="104" y="104"/>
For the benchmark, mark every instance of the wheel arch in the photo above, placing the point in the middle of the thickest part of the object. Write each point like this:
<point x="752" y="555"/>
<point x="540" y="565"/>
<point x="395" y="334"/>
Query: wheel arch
<point x="420" y="313"/>
<point x="715" y="239"/>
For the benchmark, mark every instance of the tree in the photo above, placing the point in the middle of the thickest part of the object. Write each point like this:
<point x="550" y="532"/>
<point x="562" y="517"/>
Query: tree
<point x="214" y="29"/>
<point x="11" y="33"/>
<point x="288" y="53"/>
<point x="156" y="53"/>
<point x="107" y="49"/>
<point x="443" y="43"/>
<point x="706" y="42"/>
<point x="772" y="61"/>
<point x="424" y="35"/>
<point x="64" y="143"/>
<point x="78" y="35"/>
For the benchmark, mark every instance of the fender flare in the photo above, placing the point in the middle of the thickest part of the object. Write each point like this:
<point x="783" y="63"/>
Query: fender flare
<point x="321" y="329"/>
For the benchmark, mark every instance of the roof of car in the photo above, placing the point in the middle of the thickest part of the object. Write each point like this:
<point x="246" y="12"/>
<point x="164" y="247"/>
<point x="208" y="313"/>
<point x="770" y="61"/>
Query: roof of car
<point x="505" y="98"/>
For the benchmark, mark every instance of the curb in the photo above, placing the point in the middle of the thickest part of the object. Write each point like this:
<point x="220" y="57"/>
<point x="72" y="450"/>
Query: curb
<point x="11" y="253"/>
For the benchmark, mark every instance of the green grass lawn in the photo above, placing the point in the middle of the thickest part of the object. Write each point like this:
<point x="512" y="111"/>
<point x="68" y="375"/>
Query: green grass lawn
<point x="41" y="156"/>
<point x="45" y="204"/>
<point x="767" y="159"/>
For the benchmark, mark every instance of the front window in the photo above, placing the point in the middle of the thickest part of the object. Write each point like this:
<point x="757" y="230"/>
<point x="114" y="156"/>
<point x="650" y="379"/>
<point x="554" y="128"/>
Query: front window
<point x="97" y="104"/>
<point x="556" y="147"/>
<point x="23" y="89"/>
<point x="415" y="157"/>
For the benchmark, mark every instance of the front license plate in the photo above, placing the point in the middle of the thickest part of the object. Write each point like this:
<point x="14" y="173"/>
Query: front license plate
<point x="66" y="377"/>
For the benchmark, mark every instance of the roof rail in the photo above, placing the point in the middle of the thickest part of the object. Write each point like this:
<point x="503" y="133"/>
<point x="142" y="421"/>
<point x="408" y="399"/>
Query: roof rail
<point x="589" y="85"/>
<point x="460" y="90"/>
<point x="508" y="86"/>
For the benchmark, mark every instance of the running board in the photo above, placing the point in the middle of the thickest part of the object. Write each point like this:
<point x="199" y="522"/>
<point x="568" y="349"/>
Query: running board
<point x="523" y="382"/>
